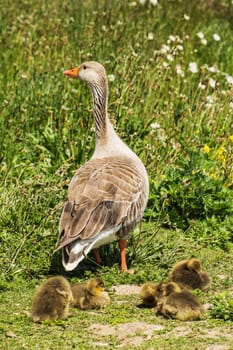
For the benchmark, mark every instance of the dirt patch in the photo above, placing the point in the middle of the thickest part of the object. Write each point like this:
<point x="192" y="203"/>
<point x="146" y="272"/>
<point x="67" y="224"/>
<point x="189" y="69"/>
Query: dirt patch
<point x="126" y="289"/>
<point x="219" y="347"/>
<point x="132" y="333"/>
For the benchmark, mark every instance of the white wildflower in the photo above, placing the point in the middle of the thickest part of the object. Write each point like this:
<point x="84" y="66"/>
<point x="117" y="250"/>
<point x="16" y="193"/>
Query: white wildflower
<point x="186" y="17"/>
<point x="170" y="57"/>
<point x="193" y="67"/>
<point x="172" y="38"/>
<point x="212" y="83"/>
<point x="200" y="35"/>
<point x="216" y="37"/>
<point x="211" y="69"/>
<point x="209" y="101"/>
<point x="180" y="47"/>
<point x="201" y="86"/>
<point x="164" y="49"/>
<point x="165" y="64"/>
<point x="229" y="79"/>
<point x="162" y="136"/>
<point x="111" y="77"/>
<point x="150" y="36"/>
<point x="231" y="105"/>
<point x="179" y="71"/>
<point x="154" y="2"/>
<point x="142" y="2"/>
<point x="155" y="126"/>
<point x="204" y="41"/>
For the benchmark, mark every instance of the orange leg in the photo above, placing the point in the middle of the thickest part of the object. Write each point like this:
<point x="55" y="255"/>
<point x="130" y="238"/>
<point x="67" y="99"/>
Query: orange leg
<point x="122" y="245"/>
<point x="97" y="256"/>
<point x="124" y="268"/>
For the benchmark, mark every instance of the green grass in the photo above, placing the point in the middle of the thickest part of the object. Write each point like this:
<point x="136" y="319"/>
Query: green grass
<point x="17" y="332"/>
<point x="178" y="122"/>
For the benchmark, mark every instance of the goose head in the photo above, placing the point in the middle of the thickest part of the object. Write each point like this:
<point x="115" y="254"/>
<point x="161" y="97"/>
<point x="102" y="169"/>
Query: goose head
<point x="92" y="73"/>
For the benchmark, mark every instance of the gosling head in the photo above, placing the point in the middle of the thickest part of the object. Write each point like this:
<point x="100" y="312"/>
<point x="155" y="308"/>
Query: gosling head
<point x="95" y="286"/>
<point x="93" y="73"/>
<point x="170" y="287"/>
<point x="195" y="265"/>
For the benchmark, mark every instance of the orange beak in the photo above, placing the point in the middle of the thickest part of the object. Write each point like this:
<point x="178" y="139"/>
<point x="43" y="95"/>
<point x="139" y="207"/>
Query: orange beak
<point x="73" y="73"/>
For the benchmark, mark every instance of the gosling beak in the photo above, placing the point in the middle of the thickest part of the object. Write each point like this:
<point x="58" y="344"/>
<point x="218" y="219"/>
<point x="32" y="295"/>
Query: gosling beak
<point x="73" y="73"/>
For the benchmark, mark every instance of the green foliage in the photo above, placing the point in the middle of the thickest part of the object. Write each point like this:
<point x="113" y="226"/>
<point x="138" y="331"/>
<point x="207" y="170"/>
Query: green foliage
<point x="222" y="307"/>
<point x="186" y="192"/>
<point x="213" y="232"/>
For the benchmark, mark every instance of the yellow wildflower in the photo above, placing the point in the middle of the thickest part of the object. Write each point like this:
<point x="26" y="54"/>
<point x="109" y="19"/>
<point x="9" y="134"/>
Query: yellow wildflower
<point x="206" y="149"/>
<point x="231" y="138"/>
<point x="220" y="154"/>
<point x="213" y="175"/>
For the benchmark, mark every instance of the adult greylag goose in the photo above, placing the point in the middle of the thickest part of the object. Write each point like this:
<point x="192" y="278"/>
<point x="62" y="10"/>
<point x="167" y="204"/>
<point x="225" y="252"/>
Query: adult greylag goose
<point x="108" y="195"/>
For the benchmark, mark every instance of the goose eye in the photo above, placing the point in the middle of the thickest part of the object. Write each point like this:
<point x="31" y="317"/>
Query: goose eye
<point x="84" y="67"/>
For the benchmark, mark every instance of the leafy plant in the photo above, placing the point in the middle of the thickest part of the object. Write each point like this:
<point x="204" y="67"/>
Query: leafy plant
<point x="222" y="307"/>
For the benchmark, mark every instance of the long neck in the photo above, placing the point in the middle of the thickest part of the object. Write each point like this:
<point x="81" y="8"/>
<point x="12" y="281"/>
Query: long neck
<point x="100" y="102"/>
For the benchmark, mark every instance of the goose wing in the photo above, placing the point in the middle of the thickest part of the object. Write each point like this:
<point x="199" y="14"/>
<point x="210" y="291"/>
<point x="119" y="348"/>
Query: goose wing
<point x="103" y="194"/>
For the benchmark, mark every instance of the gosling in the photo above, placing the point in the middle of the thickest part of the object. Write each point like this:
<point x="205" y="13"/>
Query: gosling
<point x="90" y="295"/>
<point x="179" y="303"/>
<point x="51" y="300"/>
<point x="189" y="274"/>
<point x="150" y="293"/>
